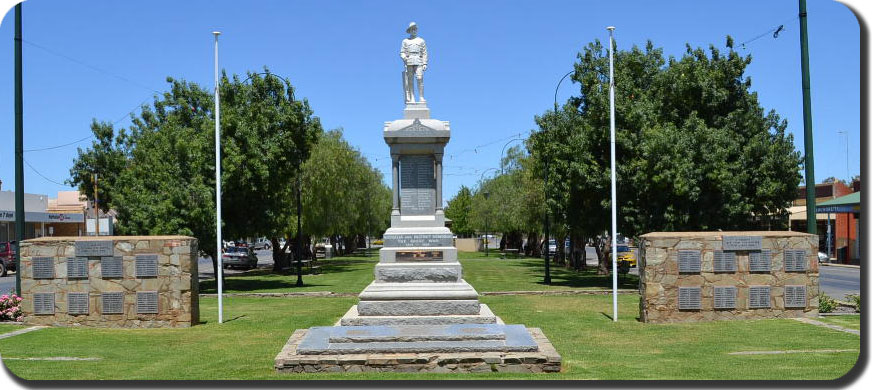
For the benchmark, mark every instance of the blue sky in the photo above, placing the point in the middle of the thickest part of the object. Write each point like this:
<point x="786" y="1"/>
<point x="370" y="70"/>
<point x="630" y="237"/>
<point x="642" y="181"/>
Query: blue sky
<point x="493" y="66"/>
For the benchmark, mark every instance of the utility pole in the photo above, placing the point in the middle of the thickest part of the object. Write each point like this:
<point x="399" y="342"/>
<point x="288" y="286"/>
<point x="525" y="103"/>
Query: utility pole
<point x="96" y="209"/>
<point x="19" y="153"/>
<point x="810" y="212"/>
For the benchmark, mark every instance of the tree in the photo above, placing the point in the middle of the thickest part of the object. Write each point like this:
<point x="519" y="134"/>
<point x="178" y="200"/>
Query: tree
<point x="159" y="174"/>
<point x="458" y="210"/>
<point x="106" y="157"/>
<point x="344" y="197"/>
<point x="695" y="150"/>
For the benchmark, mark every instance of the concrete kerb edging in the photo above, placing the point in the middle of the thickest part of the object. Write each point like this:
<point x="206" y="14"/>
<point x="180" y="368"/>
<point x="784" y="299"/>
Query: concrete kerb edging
<point x="330" y="294"/>
<point x="839" y="265"/>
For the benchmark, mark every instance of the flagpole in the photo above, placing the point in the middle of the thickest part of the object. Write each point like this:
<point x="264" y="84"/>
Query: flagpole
<point x="614" y="186"/>
<point x="220" y="262"/>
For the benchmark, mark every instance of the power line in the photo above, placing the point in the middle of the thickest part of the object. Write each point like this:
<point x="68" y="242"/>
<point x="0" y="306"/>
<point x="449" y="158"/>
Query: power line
<point x="43" y="176"/>
<point x="85" y="64"/>
<point x="774" y="31"/>
<point x="89" y="136"/>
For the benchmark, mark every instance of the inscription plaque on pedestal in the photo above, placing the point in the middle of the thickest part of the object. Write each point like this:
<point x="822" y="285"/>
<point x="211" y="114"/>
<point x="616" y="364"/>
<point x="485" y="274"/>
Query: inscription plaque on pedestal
<point x="419" y="256"/>
<point x="418" y="240"/>
<point x="417" y="185"/>
<point x="95" y="248"/>
<point x="743" y="243"/>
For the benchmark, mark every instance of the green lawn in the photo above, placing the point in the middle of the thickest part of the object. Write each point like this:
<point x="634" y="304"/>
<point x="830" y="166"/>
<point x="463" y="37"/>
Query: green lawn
<point x="6" y="328"/>
<point x="847" y="321"/>
<point x="341" y="275"/>
<point x="527" y="274"/>
<point x="351" y="274"/>
<point x="592" y="346"/>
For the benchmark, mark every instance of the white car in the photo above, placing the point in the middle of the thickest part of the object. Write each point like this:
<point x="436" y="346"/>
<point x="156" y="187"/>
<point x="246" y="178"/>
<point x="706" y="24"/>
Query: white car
<point x="823" y="258"/>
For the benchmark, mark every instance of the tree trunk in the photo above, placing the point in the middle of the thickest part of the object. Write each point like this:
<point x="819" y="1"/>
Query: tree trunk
<point x="280" y="257"/>
<point x="603" y="252"/>
<point x="533" y="245"/>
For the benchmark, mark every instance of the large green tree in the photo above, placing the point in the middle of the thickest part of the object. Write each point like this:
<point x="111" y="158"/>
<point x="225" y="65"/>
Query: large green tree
<point x="159" y="173"/>
<point x="695" y="149"/>
<point x="458" y="211"/>
<point x="344" y="197"/>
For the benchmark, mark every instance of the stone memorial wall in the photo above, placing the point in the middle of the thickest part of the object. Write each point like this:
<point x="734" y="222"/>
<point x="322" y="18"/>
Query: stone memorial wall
<point x="703" y="276"/>
<point x="113" y="281"/>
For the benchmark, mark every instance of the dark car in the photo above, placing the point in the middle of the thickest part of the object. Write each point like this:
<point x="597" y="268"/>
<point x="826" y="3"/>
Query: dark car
<point x="238" y="256"/>
<point x="7" y="257"/>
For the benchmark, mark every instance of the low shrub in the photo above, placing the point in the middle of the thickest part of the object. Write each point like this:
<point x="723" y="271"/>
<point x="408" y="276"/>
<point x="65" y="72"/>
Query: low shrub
<point x="10" y="308"/>
<point x="855" y="299"/>
<point x="826" y="304"/>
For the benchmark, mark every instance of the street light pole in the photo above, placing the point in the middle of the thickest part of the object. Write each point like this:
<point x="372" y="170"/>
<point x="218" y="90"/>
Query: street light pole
<point x="547" y="214"/>
<point x="218" y="243"/>
<point x="486" y="218"/>
<point x="614" y="176"/>
<point x="299" y="222"/>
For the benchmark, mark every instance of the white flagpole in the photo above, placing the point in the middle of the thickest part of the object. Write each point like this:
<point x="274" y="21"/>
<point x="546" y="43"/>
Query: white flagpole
<point x="220" y="276"/>
<point x="614" y="187"/>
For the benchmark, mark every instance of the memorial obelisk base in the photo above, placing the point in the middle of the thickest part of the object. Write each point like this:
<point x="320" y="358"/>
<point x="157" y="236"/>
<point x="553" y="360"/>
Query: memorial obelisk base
<point x="418" y="315"/>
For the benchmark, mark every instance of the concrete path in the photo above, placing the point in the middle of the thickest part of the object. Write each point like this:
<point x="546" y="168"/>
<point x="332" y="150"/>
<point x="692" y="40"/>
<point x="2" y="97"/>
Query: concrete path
<point x="20" y="331"/>
<point x="826" y="325"/>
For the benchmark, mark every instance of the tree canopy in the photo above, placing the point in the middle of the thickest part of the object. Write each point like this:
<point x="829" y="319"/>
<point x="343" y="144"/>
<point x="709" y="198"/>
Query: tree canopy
<point x="159" y="174"/>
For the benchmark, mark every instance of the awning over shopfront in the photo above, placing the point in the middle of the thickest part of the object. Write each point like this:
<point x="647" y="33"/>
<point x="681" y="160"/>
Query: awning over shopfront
<point x="35" y="216"/>
<point x="845" y="204"/>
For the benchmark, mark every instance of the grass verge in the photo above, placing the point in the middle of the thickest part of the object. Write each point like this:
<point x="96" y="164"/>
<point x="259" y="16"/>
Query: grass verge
<point x="592" y="346"/>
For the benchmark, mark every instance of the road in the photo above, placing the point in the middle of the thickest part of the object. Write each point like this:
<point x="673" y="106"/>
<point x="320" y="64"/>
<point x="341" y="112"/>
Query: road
<point x="835" y="281"/>
<point x="204" y="265"/>
<point x="838" y="281"/>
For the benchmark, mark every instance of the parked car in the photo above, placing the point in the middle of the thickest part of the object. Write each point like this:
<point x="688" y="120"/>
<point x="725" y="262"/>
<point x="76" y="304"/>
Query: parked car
<point x="262" y="243"/>
<point x="7" y="257"/>
<point x="626" y="254"/>
<point x="823" y="258"/>
<point x="238" y="256"/>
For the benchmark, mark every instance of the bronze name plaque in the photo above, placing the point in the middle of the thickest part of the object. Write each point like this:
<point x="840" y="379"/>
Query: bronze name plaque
<point x="419" y="256"/>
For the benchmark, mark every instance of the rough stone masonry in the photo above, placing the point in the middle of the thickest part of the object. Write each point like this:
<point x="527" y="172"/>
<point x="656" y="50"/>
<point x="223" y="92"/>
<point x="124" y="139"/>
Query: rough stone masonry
<point x="111" y="281"/>
<point x="704" y="276"/>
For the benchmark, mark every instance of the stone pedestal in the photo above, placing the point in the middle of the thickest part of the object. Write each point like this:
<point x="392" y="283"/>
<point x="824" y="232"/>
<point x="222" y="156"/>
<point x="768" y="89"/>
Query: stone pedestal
<point x="418" y="303"/>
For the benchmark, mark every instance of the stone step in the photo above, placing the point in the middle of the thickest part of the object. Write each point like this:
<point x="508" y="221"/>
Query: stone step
<point x="353" y="318"/>
<point x="419" y="307"/>
<point x="408" y="333"/>
<point x="432" y="272"/>
<point x="318" y="341"/>
<point x="385" y="291"/>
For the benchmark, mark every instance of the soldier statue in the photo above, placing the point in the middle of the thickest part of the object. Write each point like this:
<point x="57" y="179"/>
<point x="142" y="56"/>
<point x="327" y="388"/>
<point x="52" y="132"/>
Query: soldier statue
<point x="414" y="55"/>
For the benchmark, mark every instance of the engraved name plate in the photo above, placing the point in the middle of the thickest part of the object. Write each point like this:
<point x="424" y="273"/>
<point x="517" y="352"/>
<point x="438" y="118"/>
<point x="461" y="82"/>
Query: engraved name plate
<point x="794" y="296"/>
<point x="43" y="303"/>
<point x="758" y="297"/>
<point x="146" y="302"/>
<point x="724" y="261"/>
<point x="95" y="248"/>
<point x="689" y="298"/>
<point x="77" y="303"/>
<point x="689" y="261"/>
<point x="725" y="298"/>
<point x="146" y="266"/>
<point x="113" y="302"/>
<point x="743" y="243"/>
<point x="111" y="267"/>
<point x="42" y="267"/>
<point x="77" y="267"/>
<point x="795" y="260"/>
<point x="760" y="261"/>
